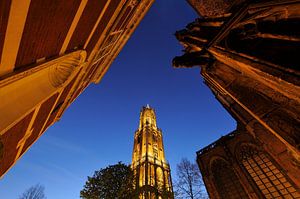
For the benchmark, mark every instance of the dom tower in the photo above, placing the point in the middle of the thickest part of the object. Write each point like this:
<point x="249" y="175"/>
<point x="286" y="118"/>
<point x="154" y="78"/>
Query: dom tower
<point x="152" y="172"/>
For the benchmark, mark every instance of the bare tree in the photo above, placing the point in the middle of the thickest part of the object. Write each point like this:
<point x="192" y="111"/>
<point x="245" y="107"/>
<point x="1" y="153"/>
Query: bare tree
<point x="34" y="192"/>
<point x="189" y="182"/>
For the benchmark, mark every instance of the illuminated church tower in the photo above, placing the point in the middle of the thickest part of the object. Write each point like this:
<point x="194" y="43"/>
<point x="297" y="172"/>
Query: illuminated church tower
<point x="152" y="172"/>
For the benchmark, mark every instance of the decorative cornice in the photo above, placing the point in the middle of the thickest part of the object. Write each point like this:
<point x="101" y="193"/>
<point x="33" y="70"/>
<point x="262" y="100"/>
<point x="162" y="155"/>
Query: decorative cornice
<point x="60" y="72"/>
<point x="61" y="66"/>
<point x="51" y="76"/>
<point x="141" y="10"/>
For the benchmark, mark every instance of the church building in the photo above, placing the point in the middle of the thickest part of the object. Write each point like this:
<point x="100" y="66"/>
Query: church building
<point x="151" y="170"/>
<point x="248" y="52"/>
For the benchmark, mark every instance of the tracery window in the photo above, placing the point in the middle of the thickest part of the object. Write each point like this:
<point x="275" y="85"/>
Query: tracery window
<point x="269" y="179"/>
<point x="226" y="181"/>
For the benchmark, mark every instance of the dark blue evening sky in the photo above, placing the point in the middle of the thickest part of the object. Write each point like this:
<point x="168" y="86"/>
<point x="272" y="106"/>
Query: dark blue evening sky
<point x="98" y="128"/>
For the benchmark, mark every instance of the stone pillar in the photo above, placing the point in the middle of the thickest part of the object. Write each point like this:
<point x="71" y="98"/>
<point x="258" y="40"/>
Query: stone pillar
<point x="21" y="93"/>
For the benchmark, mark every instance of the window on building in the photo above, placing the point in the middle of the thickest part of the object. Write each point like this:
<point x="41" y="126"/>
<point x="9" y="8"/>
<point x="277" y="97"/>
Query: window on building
<point x="154" y="138"/>
<point x="269" y="179"/>
<point x="160" y="177"/>
<point x="57" y="107"/>
<point x="226" y="181"/>
<point x="139" y="139"/>
<point x="155" y="153"/>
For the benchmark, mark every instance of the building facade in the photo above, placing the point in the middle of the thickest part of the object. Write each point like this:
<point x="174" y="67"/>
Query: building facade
<point x="237" y="166"/>
<point x="50" y="51"/>
<point x="151" y="170"/>
<point x="248" y="55"/>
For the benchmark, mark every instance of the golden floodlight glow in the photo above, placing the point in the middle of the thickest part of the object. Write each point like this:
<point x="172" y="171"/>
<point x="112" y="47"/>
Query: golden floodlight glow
<point x="152" y="171"/>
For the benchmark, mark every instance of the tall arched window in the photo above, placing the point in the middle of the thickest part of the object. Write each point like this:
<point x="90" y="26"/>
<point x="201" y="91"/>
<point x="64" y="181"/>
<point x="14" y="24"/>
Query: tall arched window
<point x="160" y="177"/>
<point x="226" y="181"/>
<point x="142" y="175"/>
<point x="268" y="178"/>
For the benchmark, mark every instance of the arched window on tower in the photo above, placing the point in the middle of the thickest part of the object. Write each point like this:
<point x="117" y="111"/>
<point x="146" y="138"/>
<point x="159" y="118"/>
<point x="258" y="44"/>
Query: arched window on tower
<point x="268" y="177"/>
<point x="152" y="175"/>
<point x="159" y="178"/>
<point x="139" y="140"/>
<point x="154" y="138"/>
<point x="226" y="181"/>
<point x="142" y="175"/>
<point x="167" y="180"/>
<point x="155" y="151"/>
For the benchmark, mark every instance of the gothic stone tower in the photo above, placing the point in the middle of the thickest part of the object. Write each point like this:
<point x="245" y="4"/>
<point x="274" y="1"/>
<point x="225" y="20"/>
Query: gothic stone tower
<point x="152" y="172"/>
<point x="247" y="52"/>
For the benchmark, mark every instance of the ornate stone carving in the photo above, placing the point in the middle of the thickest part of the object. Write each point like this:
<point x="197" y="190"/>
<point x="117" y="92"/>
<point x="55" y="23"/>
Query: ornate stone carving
<point x="133" y="3"/>
<point x="51" y="76"/>
<point x="56" y="66"/>
<point x="61" y="71"/>
<point x="211" y="8"/>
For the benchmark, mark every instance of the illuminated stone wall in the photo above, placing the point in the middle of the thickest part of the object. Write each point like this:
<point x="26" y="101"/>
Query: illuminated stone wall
<point x="47" y="61"/>
<point x="152" y="171"/>
<point x="249" y="59"/>
<point x="238" y="166"/>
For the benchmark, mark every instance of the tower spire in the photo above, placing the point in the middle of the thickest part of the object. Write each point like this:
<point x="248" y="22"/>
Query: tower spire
<point x="148" y="159"/>
<point x="147" y="117"/>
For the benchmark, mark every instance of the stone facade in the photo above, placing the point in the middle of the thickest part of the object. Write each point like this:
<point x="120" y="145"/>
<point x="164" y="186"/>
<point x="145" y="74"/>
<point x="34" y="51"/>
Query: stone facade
<point x="50" y="51"/>
<point x="238" y="166"/>
<point x="249" y="59"/>
<point x="152" y="171"/>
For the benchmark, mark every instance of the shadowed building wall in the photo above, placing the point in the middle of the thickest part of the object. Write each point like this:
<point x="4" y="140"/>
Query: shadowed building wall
<point x="151" y="170"/>
<point x="50" y="51"/>
<point x="237" y="166"/>
<point x="248" y="54"/>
